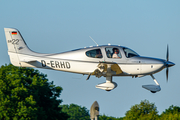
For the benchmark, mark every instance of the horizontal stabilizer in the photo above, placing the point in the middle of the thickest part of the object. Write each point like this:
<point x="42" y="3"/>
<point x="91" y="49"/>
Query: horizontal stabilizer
<point x="27" y="61"/>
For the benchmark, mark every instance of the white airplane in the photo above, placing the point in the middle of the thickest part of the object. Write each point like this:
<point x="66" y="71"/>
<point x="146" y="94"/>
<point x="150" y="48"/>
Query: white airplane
<point x="106" y="61"/>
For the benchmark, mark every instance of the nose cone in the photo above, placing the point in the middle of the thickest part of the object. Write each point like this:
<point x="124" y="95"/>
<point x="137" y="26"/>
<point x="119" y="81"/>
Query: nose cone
<point x="169" y="64"/>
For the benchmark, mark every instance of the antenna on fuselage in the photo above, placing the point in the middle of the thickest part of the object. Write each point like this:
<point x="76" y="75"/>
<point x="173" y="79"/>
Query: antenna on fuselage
<point x="93" y="40"/>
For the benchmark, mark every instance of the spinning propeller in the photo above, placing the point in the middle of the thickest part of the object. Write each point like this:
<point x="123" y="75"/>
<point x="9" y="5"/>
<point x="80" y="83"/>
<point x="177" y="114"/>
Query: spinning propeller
<point x="168" y="63"/>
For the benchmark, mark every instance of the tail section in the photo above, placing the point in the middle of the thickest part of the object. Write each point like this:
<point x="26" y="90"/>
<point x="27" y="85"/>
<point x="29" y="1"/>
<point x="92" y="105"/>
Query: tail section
<point x="15" y="42"/>
<point x="16" y="45"/>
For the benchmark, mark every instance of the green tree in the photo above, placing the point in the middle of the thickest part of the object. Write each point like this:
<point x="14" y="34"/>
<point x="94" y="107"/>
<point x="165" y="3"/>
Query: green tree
<point x="104" y="117"/>
<point x="142" y="111"/>
<point x="172" y="113"/>
<point x="26" y="94"/>
<point x="172" y="109"/>
<point x="76" y="112"/>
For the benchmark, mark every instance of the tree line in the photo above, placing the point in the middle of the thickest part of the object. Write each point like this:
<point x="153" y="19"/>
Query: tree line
<point x="26" y="94"/>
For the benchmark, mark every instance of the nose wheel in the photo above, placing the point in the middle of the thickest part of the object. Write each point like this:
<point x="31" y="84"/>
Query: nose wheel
<point x="153" y="88"/>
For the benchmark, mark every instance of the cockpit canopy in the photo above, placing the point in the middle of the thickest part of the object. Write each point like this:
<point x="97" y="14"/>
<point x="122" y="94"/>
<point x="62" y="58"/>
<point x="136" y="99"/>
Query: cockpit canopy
<point x="111" y="52"/>
<point x="95" y="53"/>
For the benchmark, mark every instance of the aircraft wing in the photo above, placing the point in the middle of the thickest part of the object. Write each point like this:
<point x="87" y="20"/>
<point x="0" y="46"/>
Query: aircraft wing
<point x="106" y="68"/>
<point x="116" y="68"/>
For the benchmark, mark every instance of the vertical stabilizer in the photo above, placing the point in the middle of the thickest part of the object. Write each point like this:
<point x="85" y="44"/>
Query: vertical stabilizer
<point x="16" y="45"/>
<point x="15" y="42"/>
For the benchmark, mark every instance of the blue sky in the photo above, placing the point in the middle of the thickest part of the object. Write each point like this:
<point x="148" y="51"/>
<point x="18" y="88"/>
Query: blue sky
<point x="144" y="26"/>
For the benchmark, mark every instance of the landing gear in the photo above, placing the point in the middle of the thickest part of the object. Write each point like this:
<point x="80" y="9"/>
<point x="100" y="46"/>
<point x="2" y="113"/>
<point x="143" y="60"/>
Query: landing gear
<point x="109" y="84"/>
<point x="154" y="79"/>
<point x="153" y="88"/>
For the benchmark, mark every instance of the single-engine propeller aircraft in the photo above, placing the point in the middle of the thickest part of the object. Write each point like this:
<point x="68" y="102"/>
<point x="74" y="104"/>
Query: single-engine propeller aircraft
<point x="106" y="61"/>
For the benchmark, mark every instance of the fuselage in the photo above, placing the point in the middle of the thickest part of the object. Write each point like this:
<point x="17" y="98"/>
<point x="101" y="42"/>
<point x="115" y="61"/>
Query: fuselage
<point x="85" y="60"/>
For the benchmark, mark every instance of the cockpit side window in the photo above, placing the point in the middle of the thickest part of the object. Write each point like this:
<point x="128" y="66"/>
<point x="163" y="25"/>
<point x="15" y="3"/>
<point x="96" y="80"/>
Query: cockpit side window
<point x="129" y="53"/>
<point x="96" y="53"/>
<point x="113" y="52"/>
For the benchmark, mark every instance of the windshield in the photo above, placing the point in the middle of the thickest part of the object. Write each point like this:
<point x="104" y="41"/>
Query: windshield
<point x="129" y="53"/>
